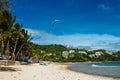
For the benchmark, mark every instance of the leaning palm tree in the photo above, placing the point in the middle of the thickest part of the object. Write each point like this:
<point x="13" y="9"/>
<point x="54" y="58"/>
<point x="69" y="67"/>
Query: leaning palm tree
<point x="24" y="38"/>
<point x="20" y="38"/>
<point x="16" y="36"/>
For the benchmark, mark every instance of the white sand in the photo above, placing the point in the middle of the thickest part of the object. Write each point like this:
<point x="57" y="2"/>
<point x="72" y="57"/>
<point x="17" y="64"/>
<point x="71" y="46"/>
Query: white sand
<point x="49" y="72"/>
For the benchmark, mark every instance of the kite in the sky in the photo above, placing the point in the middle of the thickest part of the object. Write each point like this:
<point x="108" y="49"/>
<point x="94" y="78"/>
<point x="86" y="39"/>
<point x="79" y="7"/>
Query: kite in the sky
<point x="54" y="22"/>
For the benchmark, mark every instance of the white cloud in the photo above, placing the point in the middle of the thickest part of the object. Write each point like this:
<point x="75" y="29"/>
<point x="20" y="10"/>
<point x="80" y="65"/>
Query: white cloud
<point x="90" y="41"/>
<point x="104" y="7"/>
<point x="39" y="33"/>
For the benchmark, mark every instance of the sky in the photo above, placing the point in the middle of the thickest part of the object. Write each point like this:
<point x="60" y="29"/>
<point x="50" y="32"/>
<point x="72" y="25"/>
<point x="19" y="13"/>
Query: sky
<point x="90" y="24"/>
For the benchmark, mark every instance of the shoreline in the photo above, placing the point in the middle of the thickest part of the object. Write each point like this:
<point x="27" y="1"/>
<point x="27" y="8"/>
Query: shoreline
<point x="94" y="74"/>
<point x="98" y="71"/>
<point x="53" y="71"/>
<point x="90" y="74"/>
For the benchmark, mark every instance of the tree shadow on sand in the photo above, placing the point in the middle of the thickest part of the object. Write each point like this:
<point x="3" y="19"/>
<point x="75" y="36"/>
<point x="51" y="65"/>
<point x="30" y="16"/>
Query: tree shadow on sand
<point x="11" y="69"/>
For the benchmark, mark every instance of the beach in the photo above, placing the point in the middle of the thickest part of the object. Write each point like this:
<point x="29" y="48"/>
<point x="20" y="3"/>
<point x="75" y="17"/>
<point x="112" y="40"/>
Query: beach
<point x="53" y="71"/>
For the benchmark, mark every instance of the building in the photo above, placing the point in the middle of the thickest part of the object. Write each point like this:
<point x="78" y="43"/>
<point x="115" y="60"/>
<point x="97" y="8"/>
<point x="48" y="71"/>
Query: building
<point x="82" y="52"/>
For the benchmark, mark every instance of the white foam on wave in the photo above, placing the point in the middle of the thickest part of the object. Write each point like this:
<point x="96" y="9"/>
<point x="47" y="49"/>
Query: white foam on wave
<point x="94" y="65"/>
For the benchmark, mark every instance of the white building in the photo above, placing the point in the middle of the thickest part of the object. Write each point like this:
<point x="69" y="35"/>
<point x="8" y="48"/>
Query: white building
<point x="110" y="53"/>
<point x="82" y="52"/>
<point x="43" y="51"/>
<point x="65" y="54"/>
<point x="71" y="51"/>
<point x="92" y="55"/>
<point x="97" y="54"/>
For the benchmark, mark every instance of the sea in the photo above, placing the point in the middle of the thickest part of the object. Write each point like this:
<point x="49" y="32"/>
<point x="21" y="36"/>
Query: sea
<point x="109" y="69"/>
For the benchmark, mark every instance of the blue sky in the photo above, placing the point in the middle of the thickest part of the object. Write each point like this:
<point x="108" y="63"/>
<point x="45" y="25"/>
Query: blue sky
<point x="92" y="24"/>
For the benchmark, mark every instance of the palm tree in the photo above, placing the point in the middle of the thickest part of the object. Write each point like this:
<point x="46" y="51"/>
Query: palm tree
<point x="20" y="37"/>
<point x="3" y="28"/>
<point x="24" y="40"/>
<point x="12" y="36"/>
<point x="7" y="22"/>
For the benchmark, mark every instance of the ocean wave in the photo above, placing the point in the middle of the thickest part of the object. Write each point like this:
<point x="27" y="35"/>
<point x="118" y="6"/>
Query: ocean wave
<point x="94" y="65"/>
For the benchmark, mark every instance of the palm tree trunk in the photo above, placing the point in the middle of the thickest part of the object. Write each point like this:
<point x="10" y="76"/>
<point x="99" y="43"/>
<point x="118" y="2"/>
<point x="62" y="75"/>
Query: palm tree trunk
<point x="19" y="51"/>
<point x="2" y="48"/>
<point x="7" y="51"/>
<point x="13" y="54"/>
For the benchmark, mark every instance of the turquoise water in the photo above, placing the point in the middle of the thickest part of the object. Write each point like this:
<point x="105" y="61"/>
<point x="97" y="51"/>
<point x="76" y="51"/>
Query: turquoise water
<point x="111" y="69"/>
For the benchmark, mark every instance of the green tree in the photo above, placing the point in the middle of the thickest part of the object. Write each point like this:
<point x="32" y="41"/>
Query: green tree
<point x="6" y="23"/>
<point x="12" y="35"/>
